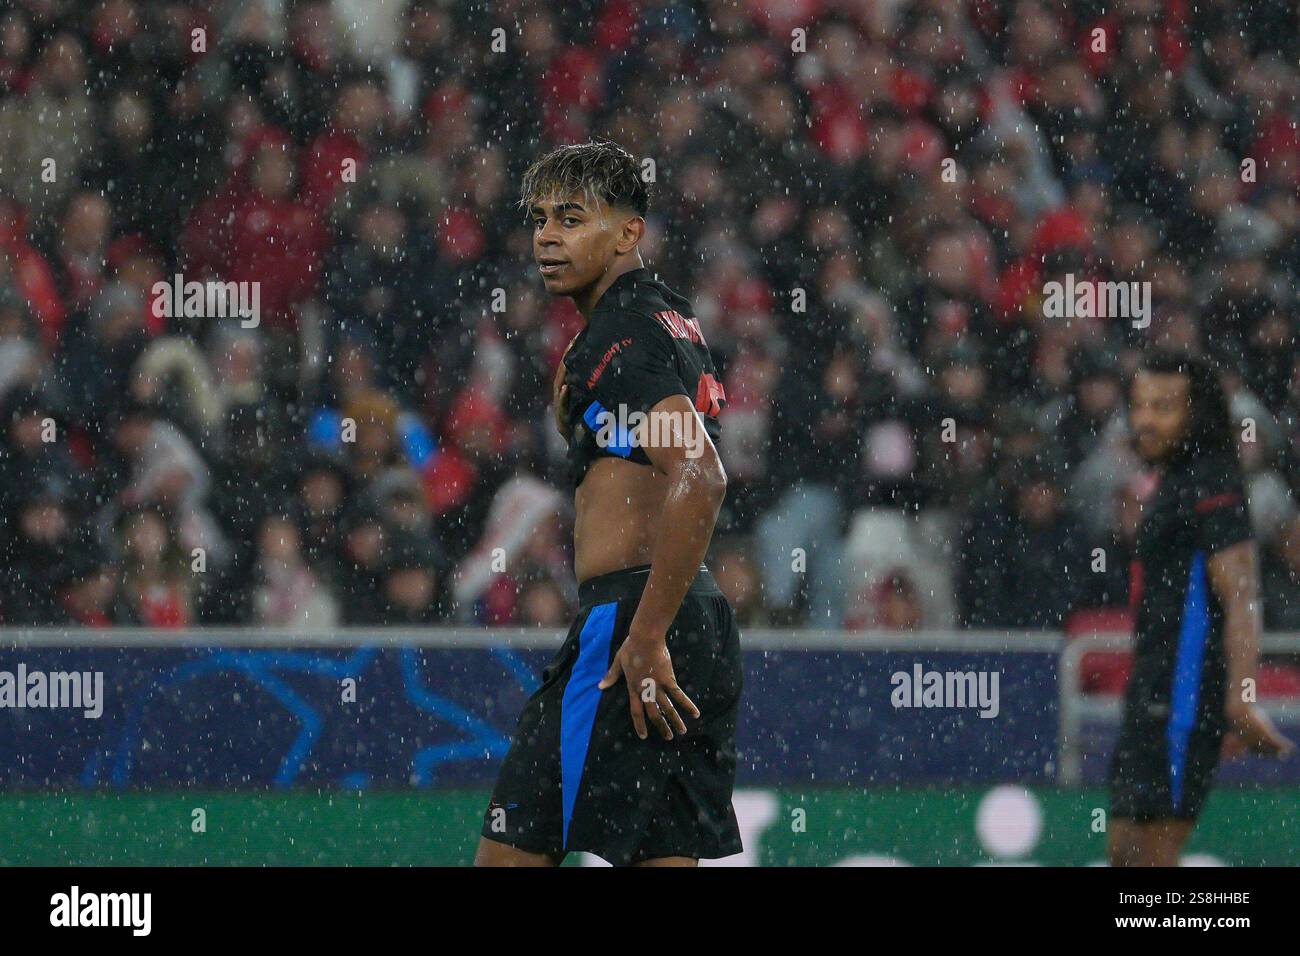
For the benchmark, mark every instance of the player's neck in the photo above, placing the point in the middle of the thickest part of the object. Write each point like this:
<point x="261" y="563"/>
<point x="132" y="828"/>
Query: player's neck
<point x="586" y="299"/>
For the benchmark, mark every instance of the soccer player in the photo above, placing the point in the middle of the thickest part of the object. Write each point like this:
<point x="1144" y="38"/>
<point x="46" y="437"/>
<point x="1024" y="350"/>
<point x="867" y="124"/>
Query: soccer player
<point x="1195" y="588"/>
<point x="627" y="750"/>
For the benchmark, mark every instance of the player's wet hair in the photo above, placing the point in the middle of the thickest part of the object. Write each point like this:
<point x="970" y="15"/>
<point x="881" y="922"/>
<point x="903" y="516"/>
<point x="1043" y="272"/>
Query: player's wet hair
<point x="1209" y="430"/>
<point x="602" y="170"/>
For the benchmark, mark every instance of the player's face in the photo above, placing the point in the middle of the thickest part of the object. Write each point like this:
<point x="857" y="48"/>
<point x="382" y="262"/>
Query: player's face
<point x="573" y="242"/>
<point x="1160" y="409"/>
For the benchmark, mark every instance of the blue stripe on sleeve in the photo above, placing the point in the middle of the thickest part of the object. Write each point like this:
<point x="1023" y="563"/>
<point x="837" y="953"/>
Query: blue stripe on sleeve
<point x="594" y="416"/>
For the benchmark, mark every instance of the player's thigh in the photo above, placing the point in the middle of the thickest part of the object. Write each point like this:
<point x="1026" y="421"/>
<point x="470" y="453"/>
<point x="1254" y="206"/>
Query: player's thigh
<point x="492" y="853"/>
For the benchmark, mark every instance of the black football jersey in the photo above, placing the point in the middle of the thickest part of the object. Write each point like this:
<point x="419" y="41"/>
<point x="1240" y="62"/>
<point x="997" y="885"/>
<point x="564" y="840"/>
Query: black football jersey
<point x="641" y="345"/>
<point x="1179" y="666"/>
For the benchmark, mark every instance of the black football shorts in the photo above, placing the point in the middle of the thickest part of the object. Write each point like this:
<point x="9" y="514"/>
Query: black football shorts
<point x="577" y="776"/>
<point x="1162" y="768"/>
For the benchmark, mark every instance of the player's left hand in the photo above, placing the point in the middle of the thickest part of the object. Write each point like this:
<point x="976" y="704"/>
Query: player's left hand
<point x="645" y="664"/>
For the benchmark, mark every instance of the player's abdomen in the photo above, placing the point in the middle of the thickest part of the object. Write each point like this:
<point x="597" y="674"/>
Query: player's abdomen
<point x="617" y="509"/>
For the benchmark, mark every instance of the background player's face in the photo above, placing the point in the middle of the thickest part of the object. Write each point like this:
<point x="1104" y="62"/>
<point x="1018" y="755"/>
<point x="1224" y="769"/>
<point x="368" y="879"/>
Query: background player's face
<point x="1160" y="410"/>
<point x="573" y="241"/>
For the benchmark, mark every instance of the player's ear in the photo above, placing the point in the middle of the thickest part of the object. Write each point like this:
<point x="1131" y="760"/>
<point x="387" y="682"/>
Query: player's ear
<point x="631" y="233"/>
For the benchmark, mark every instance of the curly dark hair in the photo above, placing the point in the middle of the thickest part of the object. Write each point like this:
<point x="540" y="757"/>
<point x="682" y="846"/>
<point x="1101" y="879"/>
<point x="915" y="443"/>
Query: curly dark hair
<point x="600" y="169"/>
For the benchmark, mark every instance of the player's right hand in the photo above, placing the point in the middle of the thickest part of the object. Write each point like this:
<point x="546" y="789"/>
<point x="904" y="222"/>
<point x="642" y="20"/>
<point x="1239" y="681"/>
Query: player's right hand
<point x="560" y="401"/>
<point x="1250" y="731"/>
<point x="646" y="667"/>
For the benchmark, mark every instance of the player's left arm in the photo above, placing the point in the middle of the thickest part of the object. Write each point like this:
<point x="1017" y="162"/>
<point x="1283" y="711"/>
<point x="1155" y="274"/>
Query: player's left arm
<point x="1234" y="576"/>
<point x="678" y="446"/>
<point x="697" y="485"/>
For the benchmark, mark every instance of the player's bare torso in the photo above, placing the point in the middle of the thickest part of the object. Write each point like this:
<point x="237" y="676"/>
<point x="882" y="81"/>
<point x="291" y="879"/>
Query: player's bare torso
<point x="645" y="347"/>
<point x="617" y="506"/>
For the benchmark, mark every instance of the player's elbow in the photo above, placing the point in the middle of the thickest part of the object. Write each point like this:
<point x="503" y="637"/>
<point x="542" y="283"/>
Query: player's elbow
<point x="700" y="476"/>
<point x="715" y="482"/>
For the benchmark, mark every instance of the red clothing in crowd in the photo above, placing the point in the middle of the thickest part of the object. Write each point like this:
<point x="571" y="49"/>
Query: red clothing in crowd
<point x="33" y="277"/>
<point x="281" y="244"/>
<point x="1059" y="229"/>
<point x="322" y="167"/>
<point x="162" y="605"/>
<point x="242" y="235"/>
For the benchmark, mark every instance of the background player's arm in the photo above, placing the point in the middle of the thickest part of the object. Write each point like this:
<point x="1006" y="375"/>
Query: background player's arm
<point x="697" y="485"/>
<point x="1234" y="576"/>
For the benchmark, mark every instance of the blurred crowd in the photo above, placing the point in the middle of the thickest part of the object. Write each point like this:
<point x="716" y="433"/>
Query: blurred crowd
<point x="865" y="200"/>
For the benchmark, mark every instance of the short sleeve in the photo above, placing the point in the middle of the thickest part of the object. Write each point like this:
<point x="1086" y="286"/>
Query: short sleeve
<point x="1219" y="508"/>
<point x="631" y="361"/>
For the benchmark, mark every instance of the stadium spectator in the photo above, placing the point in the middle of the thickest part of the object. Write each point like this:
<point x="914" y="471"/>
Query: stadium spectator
<point x="88" y="587"/>
<point x="359" y="576"/>
<point x="1024" y="560"/>
<point x="411" y="581"/>
<point x="157" y="582"/>
<point x="542" y="603"/>
<point x="288" y="595"/>
<point x="41" y="537"/>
